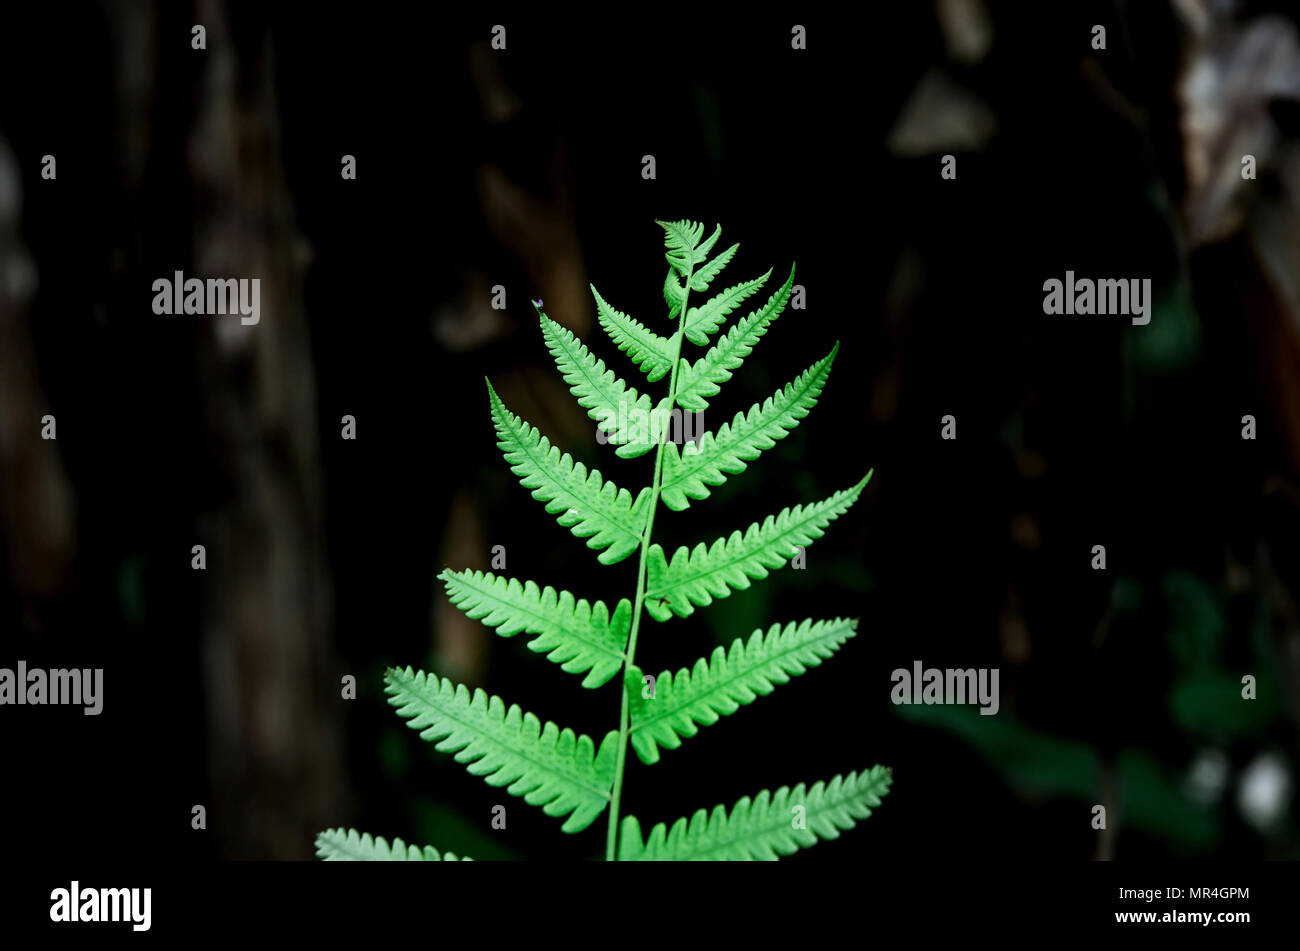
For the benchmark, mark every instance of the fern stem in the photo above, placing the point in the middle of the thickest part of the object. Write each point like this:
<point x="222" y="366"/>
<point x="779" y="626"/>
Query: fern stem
<point x="611" y="836"/>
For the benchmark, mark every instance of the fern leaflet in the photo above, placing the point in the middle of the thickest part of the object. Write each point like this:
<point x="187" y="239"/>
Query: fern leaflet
<point x="766" y="827"/>
<point x="624" y="415"/>
<point x="687" y="475"/>
<point x="701" y="279"/>
<point x="347" y="845"/>
<point x="607" y="516"/>
<point x="728" y="680"/>
<point x="649" y="351"/>
<point x="580" y="637"/>
<point x="556" y="769"/>
<point x="674" y="294"/>
<point x="682" y="239"/>
<point x="694" y="578"/>
<point x="702" y="379"/>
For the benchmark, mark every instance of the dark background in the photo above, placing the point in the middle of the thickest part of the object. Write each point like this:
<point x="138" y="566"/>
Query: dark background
<point x="523" y="168"/>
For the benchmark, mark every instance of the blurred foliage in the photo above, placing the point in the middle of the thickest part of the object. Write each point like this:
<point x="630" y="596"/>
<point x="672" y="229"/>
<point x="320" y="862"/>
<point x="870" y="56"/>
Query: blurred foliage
<point x="1172" y="340"/>
<point x="1204" y="701"/>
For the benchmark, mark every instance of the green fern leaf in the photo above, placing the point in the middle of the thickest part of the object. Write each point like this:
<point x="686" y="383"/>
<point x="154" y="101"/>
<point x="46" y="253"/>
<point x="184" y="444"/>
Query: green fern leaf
<point x="726" y="682"/>
<point x="647" y="349"/>
<point x="765" y="827"/>
<point x="701" y="380"/>
<point x="556" y="769"/>
<point x="564" y="773"/>
<point x="703" y="248"/>
<point x="702" y="321"/>
<point x="674" y="294"/>
<point x="348" y="845"/>
<point x="687" y="475"/>
<point x="682" y="239"/>
<point x="578" y="636"/>
<point x="607" y="516"/>
<point x="695" y="578"/>
<point x="624" y="415"/>
<point x="704" y="275"/>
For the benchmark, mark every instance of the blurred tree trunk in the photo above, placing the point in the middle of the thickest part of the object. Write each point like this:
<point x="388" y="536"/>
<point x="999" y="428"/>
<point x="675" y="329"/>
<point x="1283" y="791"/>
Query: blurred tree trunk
<point x="36" y="504"/>
<point x="273" y="692"/>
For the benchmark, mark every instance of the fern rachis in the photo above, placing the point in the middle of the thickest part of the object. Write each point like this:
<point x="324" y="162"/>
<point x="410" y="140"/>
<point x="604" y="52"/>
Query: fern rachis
<point x="572" y="776"/>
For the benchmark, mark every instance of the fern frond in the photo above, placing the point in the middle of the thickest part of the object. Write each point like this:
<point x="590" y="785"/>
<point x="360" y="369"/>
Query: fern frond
<point x="558" y="770"/>
<point x="607" y="516"/>
<point x="695" y="578"/>
<point x="607" y="399"/>
<point x="348" y="845"/>
<point x="647" y="349"/>
<point x="702" y="321"/>
<point x="726" y="681"/>
<point x="766" y="827"/>
<point x="682" y="239"/>
<point x="698" y="381"/>
<point x="689" y="473"/>
<point x="579" y="636"/>
<point x="702" y="276"/>
<point x="565" y="773"/>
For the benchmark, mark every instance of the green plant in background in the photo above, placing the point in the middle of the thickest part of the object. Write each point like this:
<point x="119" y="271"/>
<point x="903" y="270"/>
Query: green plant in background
<point x="1205" y="704"/>
<point x="570" y="776"/>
